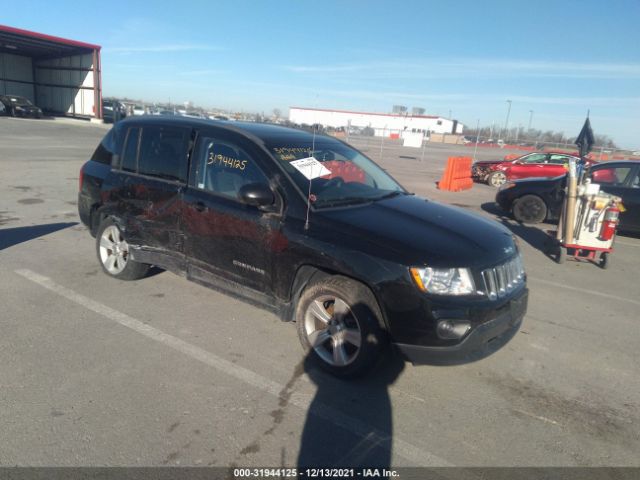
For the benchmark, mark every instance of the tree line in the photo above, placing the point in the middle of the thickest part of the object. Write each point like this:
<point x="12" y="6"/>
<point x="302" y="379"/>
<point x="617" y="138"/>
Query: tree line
<point x="533" y="136"/>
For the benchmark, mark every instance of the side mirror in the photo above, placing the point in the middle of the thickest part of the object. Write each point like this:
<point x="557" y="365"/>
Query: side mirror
<point x="257" y="195"/>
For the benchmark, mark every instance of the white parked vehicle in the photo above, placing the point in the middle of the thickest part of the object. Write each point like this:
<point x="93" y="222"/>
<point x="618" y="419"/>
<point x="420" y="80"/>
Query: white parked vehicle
<point x="139" y="110"/>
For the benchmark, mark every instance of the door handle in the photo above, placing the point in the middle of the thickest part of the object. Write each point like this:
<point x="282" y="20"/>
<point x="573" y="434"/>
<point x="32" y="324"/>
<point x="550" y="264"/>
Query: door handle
<point x="200" y="206"/>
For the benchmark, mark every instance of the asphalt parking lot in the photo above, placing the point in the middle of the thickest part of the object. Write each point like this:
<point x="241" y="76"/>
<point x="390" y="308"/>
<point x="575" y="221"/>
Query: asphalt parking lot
<point x="165" y="372"/>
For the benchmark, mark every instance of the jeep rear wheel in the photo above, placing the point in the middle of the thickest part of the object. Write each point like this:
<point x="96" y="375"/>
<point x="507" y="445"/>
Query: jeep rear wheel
<point x="339" y="325"/>
<point x="114" y="255"/>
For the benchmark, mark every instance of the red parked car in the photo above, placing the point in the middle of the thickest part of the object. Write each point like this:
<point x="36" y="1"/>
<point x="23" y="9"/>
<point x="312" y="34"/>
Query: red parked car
<point x="536" y="164"/>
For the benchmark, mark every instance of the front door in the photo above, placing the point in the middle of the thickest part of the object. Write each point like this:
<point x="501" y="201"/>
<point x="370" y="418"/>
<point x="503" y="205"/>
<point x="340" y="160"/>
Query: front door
<point x="619" y="180"/>
<point x="529" y="166"/>
<point x="223" y="236"/>
<point x="631" y="201"/>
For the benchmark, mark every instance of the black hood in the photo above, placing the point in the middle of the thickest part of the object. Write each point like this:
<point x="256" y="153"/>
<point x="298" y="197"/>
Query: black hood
<point x="423" y="232"/>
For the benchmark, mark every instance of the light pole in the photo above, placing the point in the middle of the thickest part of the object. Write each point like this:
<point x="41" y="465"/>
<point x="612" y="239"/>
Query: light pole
<point x="530" y="119"/>
<point x="506" y="122"/>
<point x="475" y="148"/>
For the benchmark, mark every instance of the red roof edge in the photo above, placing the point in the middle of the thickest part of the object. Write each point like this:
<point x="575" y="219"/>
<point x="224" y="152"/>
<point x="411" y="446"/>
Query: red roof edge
<point x="49" y="38"/>
<point x="366" y="113"/>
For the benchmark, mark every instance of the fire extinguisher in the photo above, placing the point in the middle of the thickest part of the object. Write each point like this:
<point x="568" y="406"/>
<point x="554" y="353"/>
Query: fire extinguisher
<point x="610" y="222"/>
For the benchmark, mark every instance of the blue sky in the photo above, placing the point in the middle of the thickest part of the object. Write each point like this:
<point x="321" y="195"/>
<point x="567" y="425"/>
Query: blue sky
<point x="557" y="58"/>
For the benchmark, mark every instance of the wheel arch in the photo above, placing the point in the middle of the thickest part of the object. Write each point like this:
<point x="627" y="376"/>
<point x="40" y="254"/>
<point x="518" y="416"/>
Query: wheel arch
<point x="308" y="275"/>
<point x="101" y="212"/>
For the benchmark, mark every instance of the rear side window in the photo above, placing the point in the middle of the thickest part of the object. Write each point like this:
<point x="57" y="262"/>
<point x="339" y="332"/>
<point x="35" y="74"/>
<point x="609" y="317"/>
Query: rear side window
<point x="559" y="159"/>
<point x="163" y="152"/>
<point x="106" y="149"/>
<point x="130" y="153"/>
<point x="610" y="176"/>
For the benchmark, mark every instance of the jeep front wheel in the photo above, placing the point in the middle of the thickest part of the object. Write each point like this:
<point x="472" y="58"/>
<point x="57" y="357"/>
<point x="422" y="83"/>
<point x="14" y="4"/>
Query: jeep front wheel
<point x="339" y="325"/>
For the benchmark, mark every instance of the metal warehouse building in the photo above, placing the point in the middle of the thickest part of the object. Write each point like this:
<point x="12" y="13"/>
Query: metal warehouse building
<point x="60" y="76"/>
<point x="381" y="123"/>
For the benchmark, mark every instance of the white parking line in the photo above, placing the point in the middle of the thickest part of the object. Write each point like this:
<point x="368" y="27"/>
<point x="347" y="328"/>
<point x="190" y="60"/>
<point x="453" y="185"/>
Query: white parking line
<point x="415" y="455"/>
<point x="584" y="290"/>
<point x="538" y="417"/>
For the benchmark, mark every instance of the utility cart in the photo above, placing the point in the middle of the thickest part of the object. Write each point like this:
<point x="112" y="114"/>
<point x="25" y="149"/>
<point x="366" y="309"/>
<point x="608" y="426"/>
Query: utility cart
<point x="588" y="222"/>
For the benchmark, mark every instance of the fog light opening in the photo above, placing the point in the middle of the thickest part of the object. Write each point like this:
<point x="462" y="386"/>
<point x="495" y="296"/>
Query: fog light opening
<point x="453" y="329"/>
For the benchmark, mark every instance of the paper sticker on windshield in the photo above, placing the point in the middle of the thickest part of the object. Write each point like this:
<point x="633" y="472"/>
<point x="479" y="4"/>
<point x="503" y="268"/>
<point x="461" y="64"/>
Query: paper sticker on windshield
<point x="310" y="168"/>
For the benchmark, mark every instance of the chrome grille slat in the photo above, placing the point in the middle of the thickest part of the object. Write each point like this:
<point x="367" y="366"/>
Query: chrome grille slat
<point x="503" y="279"/>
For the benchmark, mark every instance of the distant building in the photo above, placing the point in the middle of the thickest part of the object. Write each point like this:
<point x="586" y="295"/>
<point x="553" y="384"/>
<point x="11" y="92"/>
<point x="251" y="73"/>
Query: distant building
<point x="387" y="124"/>
<point x="61" y="76"/>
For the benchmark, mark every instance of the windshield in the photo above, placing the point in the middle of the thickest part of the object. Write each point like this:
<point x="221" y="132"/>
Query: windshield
<point x="336" y="173"/>
<point x="19" y="101"/>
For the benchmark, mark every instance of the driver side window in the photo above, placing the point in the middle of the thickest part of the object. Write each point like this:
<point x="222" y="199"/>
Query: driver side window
<point x="223" y="168"/>
<point x="536" y="158"/>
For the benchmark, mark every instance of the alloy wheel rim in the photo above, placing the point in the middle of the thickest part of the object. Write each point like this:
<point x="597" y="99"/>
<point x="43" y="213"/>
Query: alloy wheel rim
<point x="530" y="210"/>
<point x="498" y="179"/>
<point x="333" y="331"/>
<point x="114" y="250"/>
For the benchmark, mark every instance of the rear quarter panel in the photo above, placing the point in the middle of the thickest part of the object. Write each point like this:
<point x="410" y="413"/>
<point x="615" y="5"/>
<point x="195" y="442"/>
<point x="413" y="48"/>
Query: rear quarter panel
<point x="89" y="196"/>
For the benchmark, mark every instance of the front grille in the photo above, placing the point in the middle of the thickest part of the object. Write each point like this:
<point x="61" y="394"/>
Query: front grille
<point x="503" y="279"/>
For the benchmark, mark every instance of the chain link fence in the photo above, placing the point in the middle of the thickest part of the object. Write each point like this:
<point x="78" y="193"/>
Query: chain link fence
<point x="383" y="139"/>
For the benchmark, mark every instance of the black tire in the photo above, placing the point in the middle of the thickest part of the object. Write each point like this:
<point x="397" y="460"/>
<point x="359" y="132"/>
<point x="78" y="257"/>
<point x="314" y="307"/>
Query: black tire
<point x="360" y="316"/>
<point x="497" y="178"/>
<point x="604" y="260"/>
<point x="111" y="246"/>
<point x="529" y="209"/>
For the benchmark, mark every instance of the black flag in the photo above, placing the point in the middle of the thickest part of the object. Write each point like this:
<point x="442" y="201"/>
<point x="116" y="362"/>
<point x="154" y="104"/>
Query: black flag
<point x="585" y="139"/>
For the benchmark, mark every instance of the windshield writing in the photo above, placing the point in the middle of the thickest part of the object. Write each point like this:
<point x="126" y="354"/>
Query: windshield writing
<point x="351" y="179"/>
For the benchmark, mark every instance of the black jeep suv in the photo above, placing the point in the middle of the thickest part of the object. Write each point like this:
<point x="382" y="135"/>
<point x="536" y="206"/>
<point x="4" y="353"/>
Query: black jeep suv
<point x="307" y="226"/>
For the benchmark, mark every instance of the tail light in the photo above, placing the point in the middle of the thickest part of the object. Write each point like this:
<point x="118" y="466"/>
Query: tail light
<point x="80" y="179"/>
<point x="609" y="224"/>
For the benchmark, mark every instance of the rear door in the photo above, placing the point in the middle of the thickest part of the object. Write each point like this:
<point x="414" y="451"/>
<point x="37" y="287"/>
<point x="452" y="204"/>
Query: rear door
<point x="147" y="188"/>
<point x="225" y="238"/>
<point x="162" y="174"/>
<point x="622" y="181"/>
<point x="556" y="165"/>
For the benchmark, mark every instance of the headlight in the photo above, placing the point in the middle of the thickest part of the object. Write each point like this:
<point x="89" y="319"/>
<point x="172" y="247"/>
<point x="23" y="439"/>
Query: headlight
<point x="507" y="185"/>
<point x="516" y="242"/>
<point x="444" y="281"/>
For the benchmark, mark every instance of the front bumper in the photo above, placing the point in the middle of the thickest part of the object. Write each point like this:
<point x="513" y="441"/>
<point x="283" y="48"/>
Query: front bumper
<point x="480" y="172"/>
<point x="28" y="113"/>
<point x="483" y="339"/>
